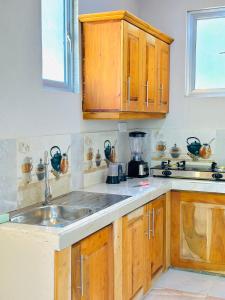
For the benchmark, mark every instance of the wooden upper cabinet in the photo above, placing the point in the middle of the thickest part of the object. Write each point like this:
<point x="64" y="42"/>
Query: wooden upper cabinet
<point x="163" y="72"/>
<point x="92" y="267"/>
<point x="125" y="67"/>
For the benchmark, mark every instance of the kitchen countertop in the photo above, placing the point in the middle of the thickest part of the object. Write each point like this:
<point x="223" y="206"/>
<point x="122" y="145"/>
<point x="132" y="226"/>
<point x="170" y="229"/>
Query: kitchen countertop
<point x="141" y="191"/>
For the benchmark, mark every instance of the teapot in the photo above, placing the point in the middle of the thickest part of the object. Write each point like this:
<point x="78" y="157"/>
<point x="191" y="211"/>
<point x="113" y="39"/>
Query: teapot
<point x="195" y="146"/>
<point x="107" y="149"/>
<point x="56" y="158"/>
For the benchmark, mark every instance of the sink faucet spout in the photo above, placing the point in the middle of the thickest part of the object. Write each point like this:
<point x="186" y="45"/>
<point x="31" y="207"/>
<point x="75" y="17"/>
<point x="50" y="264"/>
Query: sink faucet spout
<point x="48" y="194"/>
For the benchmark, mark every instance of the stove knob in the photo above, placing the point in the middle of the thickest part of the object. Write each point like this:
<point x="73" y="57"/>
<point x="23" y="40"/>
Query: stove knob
<point x="166" y="173"/>
<point x="217" y="176"/>
<point x="213" y="166"/>
<point x="163" y="164"/>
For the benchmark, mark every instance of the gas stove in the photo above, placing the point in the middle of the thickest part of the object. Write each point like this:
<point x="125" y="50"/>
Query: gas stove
<point x="182" y="170"/>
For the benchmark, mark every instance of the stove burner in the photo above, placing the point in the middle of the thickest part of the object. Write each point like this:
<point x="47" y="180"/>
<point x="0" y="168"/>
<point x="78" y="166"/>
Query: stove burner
<point x="166" y="164"/>
<point x="182" y="170"/>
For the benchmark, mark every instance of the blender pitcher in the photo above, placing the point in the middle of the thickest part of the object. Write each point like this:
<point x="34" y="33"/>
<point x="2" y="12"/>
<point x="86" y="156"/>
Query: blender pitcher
<point x="137" y="167"/>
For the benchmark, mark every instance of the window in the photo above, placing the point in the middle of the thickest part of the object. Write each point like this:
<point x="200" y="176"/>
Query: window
<point x="206" y="53"/>
<point x="59" y="43"/>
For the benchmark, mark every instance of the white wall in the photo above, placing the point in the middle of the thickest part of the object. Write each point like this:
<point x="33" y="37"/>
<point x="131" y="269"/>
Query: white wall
<point x="170" y="17"/>
<point x="26" y="109"/>
<point x="103" y="5"/>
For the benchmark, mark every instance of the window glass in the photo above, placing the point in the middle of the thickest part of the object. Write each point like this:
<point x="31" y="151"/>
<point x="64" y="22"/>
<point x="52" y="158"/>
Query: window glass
<point x="210" y="54"/>
<point x="53" y="45"/>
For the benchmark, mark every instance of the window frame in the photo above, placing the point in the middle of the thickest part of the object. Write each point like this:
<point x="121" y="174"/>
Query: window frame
<point x="71" y="51"/>
<point x="192" y="17"/>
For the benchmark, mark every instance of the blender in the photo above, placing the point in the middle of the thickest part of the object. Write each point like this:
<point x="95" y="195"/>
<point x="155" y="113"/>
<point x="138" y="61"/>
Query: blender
<point x="137" y="167"/>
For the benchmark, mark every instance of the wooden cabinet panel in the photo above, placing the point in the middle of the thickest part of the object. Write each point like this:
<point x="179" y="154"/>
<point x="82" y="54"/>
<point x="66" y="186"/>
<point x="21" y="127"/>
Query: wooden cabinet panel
<point x="197" y="235"/>
<point x="163" y="66"/>
<point x="158" y="235"/>
<point x="133" y="253"/>
<point x="102" y="66"/>
<point x="149" y="73"/>
<point x="132" y="67"/>
<point x="62" y="270"/>
<point x="92" y="267"/>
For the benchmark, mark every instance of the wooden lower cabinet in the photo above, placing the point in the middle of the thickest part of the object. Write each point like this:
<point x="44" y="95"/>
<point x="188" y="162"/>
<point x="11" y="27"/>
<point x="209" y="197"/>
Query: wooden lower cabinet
<point x="198" y="231"/>
<point x="92" y="267"/>
<point x="117" y="262"/>
<point x="143" y="247"/>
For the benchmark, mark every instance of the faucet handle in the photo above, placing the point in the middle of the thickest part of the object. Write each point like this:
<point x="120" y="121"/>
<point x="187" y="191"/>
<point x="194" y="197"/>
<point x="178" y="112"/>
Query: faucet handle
<point x="46" y="161"/>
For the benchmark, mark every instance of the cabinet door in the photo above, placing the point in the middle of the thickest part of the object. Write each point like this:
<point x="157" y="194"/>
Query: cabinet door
<point x="102" y="66"/>
<point x="163" y="66"/>
<point x="158" y="234"/>
<point x="133" y="254"/>
<point x="149" y="73"/>
<point x="92" y="271"/>
<point x="132" y="68"/>
<point x="198" y="226"/>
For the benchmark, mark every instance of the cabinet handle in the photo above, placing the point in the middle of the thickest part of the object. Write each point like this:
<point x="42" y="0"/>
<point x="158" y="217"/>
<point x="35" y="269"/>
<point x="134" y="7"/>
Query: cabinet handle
<point x="148" y="233"/>
<point x="147" y="91"/>
<point x="161" y="92"/>
<point x="153" y="222"/>
<point x="128" y="90"/>
<point x="81" y="287"/>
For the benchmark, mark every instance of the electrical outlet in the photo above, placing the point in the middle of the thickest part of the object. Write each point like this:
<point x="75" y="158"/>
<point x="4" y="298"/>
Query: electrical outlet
<point x="24" y="148"/>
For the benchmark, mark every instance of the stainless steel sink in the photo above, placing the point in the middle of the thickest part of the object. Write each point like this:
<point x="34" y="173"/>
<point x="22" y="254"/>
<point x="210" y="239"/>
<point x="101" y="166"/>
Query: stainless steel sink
<point x="66" y="209"/>
<point x="52" y="215"/>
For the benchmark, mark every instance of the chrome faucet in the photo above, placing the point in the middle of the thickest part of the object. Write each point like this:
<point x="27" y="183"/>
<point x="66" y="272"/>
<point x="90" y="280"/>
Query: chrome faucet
<point x="48" y="194"/>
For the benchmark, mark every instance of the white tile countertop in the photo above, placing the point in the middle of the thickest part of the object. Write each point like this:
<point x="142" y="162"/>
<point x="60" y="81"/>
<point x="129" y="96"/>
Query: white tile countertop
<point x="141" y="191"/>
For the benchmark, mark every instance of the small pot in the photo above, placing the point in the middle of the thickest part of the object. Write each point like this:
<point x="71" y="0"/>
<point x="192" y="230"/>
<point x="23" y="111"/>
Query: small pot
<point x="175" y="151"/>
<point x="205" y="151"/>
<point x="40" y="171"/>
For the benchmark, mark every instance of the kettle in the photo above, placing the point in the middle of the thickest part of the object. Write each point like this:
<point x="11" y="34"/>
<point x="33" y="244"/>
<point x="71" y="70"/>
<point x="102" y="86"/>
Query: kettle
<point x="195" y="146"/>
<point x="107" y="149"/>
<point x="56" y="158"/>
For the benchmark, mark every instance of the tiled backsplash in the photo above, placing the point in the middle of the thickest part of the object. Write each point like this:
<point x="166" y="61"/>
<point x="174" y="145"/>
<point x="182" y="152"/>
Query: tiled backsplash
<point x="83" y="169"/>
<point x="94" y="157"/>
<point x="16" y="191"/>
<point x="179" y="137"/>
<point x="8" y="175"/>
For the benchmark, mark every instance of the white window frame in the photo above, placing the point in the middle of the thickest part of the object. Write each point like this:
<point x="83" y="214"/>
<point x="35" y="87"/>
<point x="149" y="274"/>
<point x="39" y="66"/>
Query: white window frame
<point x="192" y="17"/>
<point x="71" y="44"/>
